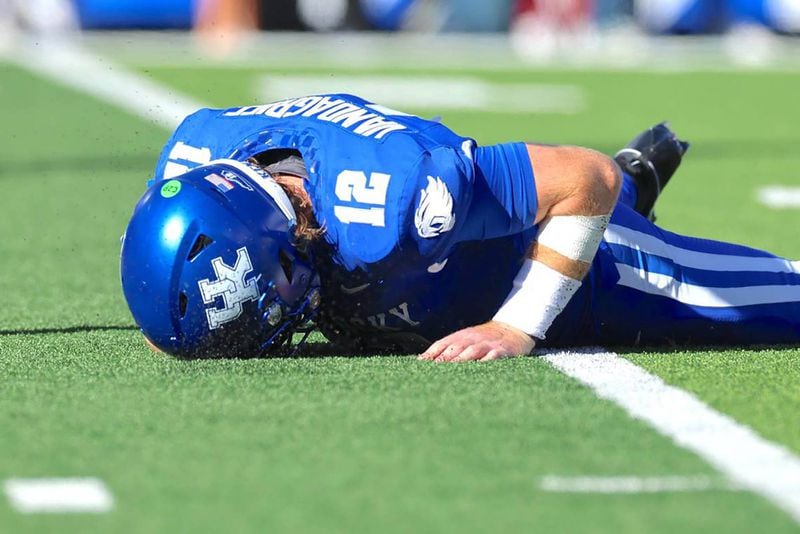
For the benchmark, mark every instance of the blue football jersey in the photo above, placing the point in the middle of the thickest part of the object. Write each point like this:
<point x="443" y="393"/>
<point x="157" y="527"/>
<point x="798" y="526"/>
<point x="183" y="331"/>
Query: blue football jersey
<point x="367" y="166"/>
<point x="403" y="202"/>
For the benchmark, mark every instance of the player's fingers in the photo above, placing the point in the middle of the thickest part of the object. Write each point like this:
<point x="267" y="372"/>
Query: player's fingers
<point x="434" y="350"/>
<point x="449" y="353"/>
<point x="495" y="354"/>
<point x="471" y="353"/>
<point x="438" y="349"/>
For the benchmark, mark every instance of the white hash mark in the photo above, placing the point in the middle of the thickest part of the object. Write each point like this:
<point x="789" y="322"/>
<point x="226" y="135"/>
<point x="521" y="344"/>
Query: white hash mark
<point x="632" y="484"/>
<point x="58" y="495"/>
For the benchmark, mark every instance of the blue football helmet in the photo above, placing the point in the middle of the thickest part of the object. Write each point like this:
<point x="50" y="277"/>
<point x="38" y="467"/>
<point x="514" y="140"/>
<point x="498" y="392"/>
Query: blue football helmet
<point x="209" y="268"/>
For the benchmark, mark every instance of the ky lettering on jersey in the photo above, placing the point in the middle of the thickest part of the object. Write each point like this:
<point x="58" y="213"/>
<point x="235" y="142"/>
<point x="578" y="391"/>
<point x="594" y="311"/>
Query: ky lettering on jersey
<point x="231" y="286"/>
<point x="379" y="319"/>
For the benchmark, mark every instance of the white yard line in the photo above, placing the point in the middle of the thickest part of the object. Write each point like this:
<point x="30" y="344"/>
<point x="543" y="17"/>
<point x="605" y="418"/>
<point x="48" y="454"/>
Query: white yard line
<point x="631" y="484"/>
<point x="68" y="64"/>
<point x="735" y="450"/>
<point x="58" y="495"/>
<point x="437" y="92"/>
<point x="779" y="196"/>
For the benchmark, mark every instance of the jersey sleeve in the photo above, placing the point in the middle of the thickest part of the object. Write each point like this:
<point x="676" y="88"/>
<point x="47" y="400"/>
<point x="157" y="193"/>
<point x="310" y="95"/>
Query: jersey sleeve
<point x="184" y="150"/>
<point x="473" y="194"/>
<point x="440" y="199"/>
<point x="504" y="200"/>
<point x="203" y="136"/>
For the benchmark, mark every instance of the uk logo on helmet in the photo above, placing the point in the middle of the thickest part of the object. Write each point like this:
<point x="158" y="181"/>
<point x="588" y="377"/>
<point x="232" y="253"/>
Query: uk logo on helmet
<point x="231" y="286"/>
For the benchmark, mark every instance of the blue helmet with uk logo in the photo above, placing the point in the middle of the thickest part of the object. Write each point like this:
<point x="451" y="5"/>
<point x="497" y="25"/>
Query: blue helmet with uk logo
<point x="209" y="266"/>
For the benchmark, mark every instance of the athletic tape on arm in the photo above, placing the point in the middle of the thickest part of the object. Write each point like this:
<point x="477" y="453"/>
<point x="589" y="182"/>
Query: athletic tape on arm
<point x="573" y="236"/>
<point x="540" y="292"/>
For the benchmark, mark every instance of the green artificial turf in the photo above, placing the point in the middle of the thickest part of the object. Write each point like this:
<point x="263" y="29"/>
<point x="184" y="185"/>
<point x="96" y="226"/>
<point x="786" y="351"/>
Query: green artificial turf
<point x="756" y="387"/>
<point x="345" y="444"/>
<point x="336" y="443"/>
<point x="72" y="169"/>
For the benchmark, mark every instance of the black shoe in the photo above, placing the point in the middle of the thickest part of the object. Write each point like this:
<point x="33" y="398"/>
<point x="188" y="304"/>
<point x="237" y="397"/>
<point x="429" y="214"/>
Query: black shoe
<point x="651" y="159"/>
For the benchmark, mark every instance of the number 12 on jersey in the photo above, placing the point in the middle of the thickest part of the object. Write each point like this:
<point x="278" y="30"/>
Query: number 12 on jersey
<point x="369" y="195"/>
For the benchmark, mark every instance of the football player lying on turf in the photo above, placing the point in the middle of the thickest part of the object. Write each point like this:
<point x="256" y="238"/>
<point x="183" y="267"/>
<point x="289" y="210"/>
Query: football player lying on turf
<point x="391" y="232"/>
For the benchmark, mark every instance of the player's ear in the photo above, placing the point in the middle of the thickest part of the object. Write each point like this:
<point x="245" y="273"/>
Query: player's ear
<point x="151" y="345"/>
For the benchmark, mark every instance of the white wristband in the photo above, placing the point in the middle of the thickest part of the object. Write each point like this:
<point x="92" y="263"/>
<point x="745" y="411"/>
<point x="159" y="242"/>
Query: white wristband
<point x="539" y="295"/>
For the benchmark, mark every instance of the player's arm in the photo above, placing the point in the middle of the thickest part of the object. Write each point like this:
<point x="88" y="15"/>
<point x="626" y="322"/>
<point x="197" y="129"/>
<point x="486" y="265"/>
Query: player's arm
<point x="576" y="189"/>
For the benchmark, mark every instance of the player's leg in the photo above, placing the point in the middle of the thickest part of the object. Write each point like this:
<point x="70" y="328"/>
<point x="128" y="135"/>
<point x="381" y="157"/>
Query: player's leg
<point x="654" y="287"/>
<point x="648" y="162"/>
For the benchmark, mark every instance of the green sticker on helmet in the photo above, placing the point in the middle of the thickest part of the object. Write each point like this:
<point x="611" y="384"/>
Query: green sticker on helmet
<point x="170" y="189"/>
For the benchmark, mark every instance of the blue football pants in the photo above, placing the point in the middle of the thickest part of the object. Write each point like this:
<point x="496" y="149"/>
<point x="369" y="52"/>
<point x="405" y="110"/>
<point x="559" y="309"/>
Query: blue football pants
<point x="649" y="286"/>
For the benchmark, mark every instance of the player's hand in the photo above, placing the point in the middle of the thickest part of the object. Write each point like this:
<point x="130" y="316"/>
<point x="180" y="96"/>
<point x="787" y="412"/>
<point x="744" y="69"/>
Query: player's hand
<point x="487" y="341"/>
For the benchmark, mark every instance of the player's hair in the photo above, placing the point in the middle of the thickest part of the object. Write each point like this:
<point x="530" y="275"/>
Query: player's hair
<point x="307" y="229"/>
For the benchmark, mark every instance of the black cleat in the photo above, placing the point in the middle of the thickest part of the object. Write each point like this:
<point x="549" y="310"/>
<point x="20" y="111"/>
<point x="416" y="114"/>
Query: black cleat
<point x="651" y="159"/>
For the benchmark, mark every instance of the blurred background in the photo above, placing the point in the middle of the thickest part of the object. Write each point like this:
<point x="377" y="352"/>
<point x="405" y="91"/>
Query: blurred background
<point x="655" y="16"/>
<point x="553" y="18"/>
<point x="605" y="33"/>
